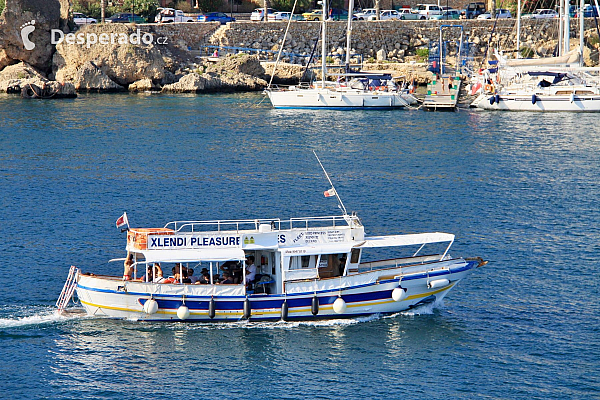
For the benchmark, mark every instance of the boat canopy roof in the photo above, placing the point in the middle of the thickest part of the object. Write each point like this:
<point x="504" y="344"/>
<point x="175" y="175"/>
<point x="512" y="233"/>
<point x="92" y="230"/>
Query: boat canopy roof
<point x="194" y="255"/>
<point x="406" y="240"/>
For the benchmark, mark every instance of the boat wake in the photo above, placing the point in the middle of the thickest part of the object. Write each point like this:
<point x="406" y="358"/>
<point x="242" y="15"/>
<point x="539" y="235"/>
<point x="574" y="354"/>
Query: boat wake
<point x="43" y="316"/>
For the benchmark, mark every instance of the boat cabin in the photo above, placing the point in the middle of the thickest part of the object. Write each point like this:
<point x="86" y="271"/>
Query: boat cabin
<point x="286" y="253"/>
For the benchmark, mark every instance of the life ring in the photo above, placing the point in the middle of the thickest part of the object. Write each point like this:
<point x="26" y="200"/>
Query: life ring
<point x="489" y="88"/>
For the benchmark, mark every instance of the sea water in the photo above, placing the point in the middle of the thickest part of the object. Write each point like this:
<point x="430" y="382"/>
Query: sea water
<point x="521" y="190"/>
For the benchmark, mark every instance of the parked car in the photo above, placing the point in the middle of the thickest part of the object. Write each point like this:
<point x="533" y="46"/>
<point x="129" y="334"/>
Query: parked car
<point x="364" y="14"/>
<point x="541" y="13"/>
<point x="408" y="14"/>
<point x="125" y="18"/>
<point x="165" y="15"/>
<point x="500" y="13"/>
<point x="335" y="14"/>
<point x="82" y="19"/>
<point x="338" y="14"/>
<point x="447" y="14"/>
<point x="473" y="10"/>
<point x="257" y="15"/>
<point x="428" y="10"/>
<point x="216" y="16"/>
<point x="588" y="12"/>
<point x="385" y="15"/>
<point x="314" y="15"/>
<point x="284" y="16"/>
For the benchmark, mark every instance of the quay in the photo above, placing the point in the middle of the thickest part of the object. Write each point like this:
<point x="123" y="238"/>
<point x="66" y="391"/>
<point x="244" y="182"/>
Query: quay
<point x="442" y="93"/>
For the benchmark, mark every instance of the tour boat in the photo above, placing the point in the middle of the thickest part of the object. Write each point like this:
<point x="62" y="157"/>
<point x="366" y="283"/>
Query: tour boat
<point x="294" y="269"/>
<point x="308" y="268"/>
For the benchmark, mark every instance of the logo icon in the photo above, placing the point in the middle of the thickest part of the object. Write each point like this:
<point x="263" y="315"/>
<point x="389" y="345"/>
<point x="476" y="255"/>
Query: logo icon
<point x="26" y="30"/>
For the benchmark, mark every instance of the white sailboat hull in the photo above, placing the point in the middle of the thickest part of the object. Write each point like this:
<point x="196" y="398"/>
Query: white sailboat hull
<point x="317" y="98"/>
<point x="365" y="293"/>
<point x="543" y="103"/>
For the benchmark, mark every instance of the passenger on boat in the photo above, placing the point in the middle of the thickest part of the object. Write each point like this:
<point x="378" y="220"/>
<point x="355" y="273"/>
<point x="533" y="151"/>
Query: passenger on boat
<point x="191" y="276"/>
<point x="250" y="270"/>
<point x="234" y="270"/>
<point x="128" y="267"/>
<point x="226" y="279"/>
<point x="205" y="279"/>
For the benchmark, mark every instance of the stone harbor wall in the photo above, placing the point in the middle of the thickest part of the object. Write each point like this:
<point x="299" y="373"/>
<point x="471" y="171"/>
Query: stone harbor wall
<point x="173" y="57"/>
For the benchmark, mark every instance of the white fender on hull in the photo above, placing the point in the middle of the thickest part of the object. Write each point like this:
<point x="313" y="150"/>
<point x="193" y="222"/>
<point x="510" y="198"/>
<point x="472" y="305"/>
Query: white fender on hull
<point x="438" y="283"/>
<point x="339" y="305"/>
<point x="183" y="312"/>
<point x="150" y="306"/>
<point x="399" y="294"/>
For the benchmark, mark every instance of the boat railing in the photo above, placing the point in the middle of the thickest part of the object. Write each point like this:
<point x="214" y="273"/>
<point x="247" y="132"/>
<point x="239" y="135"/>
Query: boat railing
<point x="400" y="262"/>
<point x="275" y="224"/>
<point x="223" y="225"/>
<point x="319" y="222"/>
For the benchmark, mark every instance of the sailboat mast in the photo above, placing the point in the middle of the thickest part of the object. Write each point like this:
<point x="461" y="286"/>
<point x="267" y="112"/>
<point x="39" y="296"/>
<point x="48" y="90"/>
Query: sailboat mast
<point x="324" y="44"/>
<point x="581" y="31"/>
<point x="566" y="29"/>
<point x="349" y="34"/>
<point x="518" y="29"/>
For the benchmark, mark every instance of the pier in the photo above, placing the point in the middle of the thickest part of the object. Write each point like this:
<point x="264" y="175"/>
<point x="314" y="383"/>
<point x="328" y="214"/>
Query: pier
<point x="442" y="94"/>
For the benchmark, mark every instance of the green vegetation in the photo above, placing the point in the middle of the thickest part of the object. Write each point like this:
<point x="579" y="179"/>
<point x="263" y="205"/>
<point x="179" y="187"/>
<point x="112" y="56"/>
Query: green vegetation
<point x="92" y="8"/>
<point x="422" y="54"/>
<point x="526" y="52"/>
<point x="2" y="5"/>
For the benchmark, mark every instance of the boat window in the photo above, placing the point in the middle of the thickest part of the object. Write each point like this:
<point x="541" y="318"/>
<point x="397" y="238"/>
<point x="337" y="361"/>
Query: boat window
<point x="331" y="265"/>
<point x="303" y="262"/>
<point x="355" y="256"/>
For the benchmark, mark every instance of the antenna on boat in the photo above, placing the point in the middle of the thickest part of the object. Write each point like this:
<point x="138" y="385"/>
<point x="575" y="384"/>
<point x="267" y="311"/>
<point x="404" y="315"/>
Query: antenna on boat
<point x="332" y="191"/>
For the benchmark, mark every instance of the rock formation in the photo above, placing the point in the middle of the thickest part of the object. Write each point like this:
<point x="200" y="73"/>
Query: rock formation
<point x="123" y="62"/>
<point x="239" y="72"/>
<point x="25" y="31"/>
<point x="91" y="78"/>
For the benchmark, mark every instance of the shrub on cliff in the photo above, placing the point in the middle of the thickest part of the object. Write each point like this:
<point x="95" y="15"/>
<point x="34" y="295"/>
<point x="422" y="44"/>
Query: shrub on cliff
<point x="2" y="5"/>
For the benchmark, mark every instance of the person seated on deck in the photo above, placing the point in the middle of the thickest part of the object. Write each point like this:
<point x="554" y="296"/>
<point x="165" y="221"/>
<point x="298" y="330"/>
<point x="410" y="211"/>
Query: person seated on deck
<point x="250" y="270"/>
<point x="234" y="270"/>
<point x="191" y="277"/>
<point x="205" y="278"/>
<point x="181" y="276"/>
<point x="128" y="267"/>
<point x="226" y="279"/>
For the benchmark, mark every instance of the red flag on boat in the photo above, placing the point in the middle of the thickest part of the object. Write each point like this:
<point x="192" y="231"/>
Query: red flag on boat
<point x="122" y="221"/>
<point x="329" y="193"/>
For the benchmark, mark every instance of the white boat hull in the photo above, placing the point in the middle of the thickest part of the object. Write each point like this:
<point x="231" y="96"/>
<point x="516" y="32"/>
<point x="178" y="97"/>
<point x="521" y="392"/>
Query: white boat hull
<point x="543" y="103"/>
<point x="317" y="98"/>
<point x="364" y="294"/>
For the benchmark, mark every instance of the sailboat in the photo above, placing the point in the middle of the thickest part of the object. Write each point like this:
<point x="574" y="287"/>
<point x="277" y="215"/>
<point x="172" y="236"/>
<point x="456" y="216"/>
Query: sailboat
<point x="553" y="84"/>
<point x="351" y="90"/>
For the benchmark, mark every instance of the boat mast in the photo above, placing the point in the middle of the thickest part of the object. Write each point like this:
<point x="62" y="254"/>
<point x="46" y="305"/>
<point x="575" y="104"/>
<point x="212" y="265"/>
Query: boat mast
<point x="518" y="29"/>
<point x="581" y="31"/>
<point x="566" y="29"/>
<point x="349" y="34"/>
<point x="324" y="44"/>
<point x="340" y="204"/>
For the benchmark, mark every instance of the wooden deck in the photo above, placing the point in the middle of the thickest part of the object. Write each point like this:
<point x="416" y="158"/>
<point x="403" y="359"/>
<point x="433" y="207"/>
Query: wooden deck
<point x="442" y="94"/>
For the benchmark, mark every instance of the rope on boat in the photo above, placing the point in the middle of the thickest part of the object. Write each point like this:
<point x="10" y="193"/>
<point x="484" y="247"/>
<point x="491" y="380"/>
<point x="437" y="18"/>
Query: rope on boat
<point x="282" y="44"/>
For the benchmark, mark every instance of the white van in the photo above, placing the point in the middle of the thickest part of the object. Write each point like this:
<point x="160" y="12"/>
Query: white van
<point x="428" y="10"/>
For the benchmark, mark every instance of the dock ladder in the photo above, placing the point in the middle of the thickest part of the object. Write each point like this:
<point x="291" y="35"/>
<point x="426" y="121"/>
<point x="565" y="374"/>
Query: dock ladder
<point x="68" y="290"/>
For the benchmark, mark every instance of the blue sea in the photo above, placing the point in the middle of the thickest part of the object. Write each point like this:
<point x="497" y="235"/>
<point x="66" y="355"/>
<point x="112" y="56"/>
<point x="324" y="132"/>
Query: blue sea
<point x="521" y="190"/>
